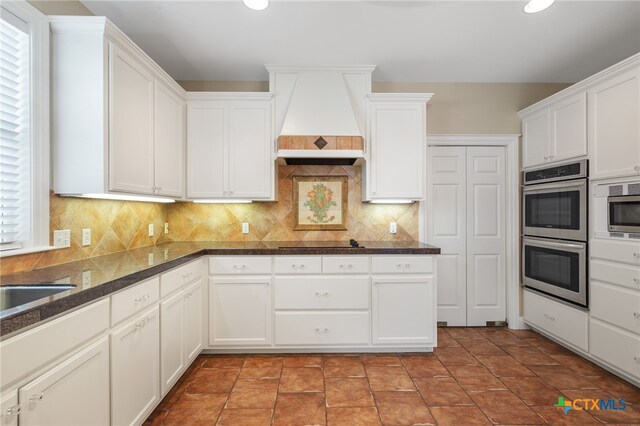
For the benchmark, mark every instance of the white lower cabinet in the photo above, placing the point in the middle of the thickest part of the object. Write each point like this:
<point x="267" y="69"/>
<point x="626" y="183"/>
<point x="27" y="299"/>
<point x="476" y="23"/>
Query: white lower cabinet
<point x="403" y="310"/>
<point x="9" y="409"/>
<point x="194" y="321"/>
<point x="135" y="367"/>
<point x="240" y="311"/>
<point x="76" y="392"/>
<point x="560" y="320"/>
<point x="614" y="346"/>
<point x="322" y="328"/>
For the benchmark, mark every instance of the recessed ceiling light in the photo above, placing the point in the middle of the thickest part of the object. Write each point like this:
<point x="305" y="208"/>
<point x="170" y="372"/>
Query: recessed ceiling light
<point x="535" y="6"/>
<point x="256" y="4"/>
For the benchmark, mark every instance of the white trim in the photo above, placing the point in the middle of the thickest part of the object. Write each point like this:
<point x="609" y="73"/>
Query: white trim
<point x="511" y="144"/>
<point x="16" y="252"/>
<point x="273" y="68"/>
<point x="40" y="145"/>
<point x="400" y="97"/>
<point x="193" y="97"/>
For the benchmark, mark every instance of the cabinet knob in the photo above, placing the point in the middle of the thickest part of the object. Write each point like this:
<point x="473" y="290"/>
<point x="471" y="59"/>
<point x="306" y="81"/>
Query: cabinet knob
<point x="637" y="168"/>
<point x="636" y="358"/>
<point x="546" y="157"/>
<point x="637" y="315"/>
<point x="636" y="255"/>
<point x="14" y="411"/>
<point x="36" y="397"/>
<point x="636" y="280"/>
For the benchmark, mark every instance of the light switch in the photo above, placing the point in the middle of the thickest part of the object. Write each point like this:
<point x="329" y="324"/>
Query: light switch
<point x="62" y="239"/>
<point x="86" y="237"/>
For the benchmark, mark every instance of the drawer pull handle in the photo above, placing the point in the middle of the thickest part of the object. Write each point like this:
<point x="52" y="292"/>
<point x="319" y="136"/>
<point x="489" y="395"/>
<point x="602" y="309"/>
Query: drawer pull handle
<point x="636" y="280"/>
<point x="637" y="315"/>
<point x="294" y="266"/>
<point x="403" y="266"/>
<point x="322" y="330"/>
<point x="346" y="266"/>
<point x="637" y="168"/>
<point x="322" y="293"/>
<point x="636" y="255"/>
<point x="636" y="358"/>
<point x="36" y="397"/>
<point x="240" y="267"/>
<point x="14" y="411"/>
<point x="187" y="275"/>
<point x="549" y="317"/>
<point x="142" y="299"/>
<point x="140" y="324"/>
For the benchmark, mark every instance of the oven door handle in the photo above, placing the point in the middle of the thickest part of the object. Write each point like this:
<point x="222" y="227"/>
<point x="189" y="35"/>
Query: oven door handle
<point x="559" y="185"/>
<point x="553" y="244"/>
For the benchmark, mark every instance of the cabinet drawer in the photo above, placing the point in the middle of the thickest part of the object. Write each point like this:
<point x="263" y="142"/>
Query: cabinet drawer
<point x="402" y="264"/>
<point x="616" y="273"/>
<point x="179" y="277"/>
<point x="35" y="348"/>
<point x="564" y="322"/>
<point x="345" y="264"/>
<point x="616" y="306"/>
<point x="298" y="265"/>
<point x="134" y="299"/>
<point x="239" y="265"/>
<point x="322" y="293"/>
<point x="616" y="251"/>
<point x="322" y="328"/>
<point x="614" y="346"/>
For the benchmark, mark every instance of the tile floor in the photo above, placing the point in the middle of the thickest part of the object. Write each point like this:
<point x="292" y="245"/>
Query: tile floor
<point x="476" y="376"/>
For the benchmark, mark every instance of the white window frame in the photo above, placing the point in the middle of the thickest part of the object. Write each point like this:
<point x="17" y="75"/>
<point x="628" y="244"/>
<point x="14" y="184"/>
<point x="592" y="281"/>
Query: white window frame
<point x="40" y="147"/>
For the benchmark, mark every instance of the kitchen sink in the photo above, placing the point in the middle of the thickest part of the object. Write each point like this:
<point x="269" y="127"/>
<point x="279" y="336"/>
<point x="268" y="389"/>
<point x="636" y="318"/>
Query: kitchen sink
<point x="16" y="295"/>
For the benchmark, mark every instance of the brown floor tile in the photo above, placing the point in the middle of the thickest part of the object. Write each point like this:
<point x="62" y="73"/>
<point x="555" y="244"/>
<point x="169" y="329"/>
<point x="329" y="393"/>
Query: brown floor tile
<point x="389" y="379"/>
<point x="504" y="366"/>
<point x="580" y="365"/>
<point x="245" y="417"/>
<point x="263" y="361"/>
<point x="380" y="360"/>
<point x="223" y="361"/>
<point x="213" y="380"/>
<point x="195" y="410"/>
<point x="619" y="388"/>
<point x="524" y="333"/>
<point x="190" y="372"/>
<point x="303" y="361"/>
<point x="454" y="356"/>
<point x="562" y="378"/>
<point x="555" y="416"/>
<point x="481" y="347"/>
<point x="173" y="395"/>
<point x="629" y="415"/>
<point x="464" y="333"/>
<point x="504" y="407"/>
<point x="348" y="392"/>
<point x="156" y="418"/>
<point x="547" y="346"/>
<point x="446" y="341"/>
<point x="343" y="366"/>
<point x="424" y="366"/>
<point x="469" y="415"/>
<point x="402" y="408"/>
<point x="297" y="409"/>
<point x="527" y="355"/>
<point x="301" y="379"/>
<point x="442" y="391"/>
<point x="475" y="377"/>
<point x="532" y="390"/>
<point x="253" y="393"/>
<point x="266" y="372"/>
<point x="356" y="416"/>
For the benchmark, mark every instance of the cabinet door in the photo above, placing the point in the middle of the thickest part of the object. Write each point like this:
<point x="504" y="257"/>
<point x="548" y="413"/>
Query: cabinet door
<point x="130" y="124"/>
<point x="75" y="392"/>
<point x="135" y="366"/>
<point x="250" y="151"/>
<point x="397" y="136"/>
<point x="169" y="142"/>
<point x="536" y="138"/>
<point x="9" y="409"/>
<point x="206" y="156"/>
<point x="240" y="311"/>
<point x="569" y="128"/>
<point x="193" y="321"/>
<point x="172" y="329"/>
<point x="403" y="310"/>
<point x="614" y="127"/>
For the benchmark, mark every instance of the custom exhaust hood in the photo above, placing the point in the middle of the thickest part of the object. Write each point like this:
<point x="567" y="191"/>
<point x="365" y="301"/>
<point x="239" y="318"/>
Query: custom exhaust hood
<point x="320" y="113"/>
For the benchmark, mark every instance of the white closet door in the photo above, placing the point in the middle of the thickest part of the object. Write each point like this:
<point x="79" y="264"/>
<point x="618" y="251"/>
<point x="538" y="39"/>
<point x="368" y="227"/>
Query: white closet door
<point x="486" y="242"/>
<point x="446" y="199"/>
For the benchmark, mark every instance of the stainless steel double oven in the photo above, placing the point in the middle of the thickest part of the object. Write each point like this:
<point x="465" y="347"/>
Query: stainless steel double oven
<point x="554" y="222"/>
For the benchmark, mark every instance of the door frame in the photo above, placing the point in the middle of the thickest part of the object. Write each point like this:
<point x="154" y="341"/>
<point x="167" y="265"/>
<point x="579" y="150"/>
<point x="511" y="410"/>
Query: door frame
<point x="512" y="188"/>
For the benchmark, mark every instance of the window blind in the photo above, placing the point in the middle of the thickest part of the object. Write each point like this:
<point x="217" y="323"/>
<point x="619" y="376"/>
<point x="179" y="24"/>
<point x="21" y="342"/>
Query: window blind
<point x="15" y="140"/>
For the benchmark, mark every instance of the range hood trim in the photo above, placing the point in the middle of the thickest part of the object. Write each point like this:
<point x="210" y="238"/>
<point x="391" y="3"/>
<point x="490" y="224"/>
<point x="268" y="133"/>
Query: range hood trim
<point x="310" y="156"/>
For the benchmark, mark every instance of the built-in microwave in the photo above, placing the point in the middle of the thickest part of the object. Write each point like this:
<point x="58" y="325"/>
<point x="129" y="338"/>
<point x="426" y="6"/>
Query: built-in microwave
<point x="623" y="213"/>
<point x="555" y="202"/>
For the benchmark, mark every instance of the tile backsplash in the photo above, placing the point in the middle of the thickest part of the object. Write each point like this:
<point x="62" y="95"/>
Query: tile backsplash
<point x="274" y="221"/>
<point x="121" y="225"/>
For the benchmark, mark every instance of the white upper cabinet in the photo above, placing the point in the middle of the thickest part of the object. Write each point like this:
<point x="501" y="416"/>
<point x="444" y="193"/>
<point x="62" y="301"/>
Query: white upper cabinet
<point x="397" y="140"/>
<point x="229" y="146"/>
<point x="117" y="117"/>
<point x="555" y="132"/>
<point x="614" y="125"/>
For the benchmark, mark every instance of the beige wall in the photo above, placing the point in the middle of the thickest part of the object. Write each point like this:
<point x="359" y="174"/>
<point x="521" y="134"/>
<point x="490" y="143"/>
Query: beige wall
<point x="61" y="7"/>
<point x="456" y="108"/>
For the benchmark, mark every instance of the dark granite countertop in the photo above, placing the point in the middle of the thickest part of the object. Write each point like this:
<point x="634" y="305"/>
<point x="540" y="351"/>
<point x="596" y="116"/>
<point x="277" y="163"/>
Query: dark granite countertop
<point x="100" y="276"/>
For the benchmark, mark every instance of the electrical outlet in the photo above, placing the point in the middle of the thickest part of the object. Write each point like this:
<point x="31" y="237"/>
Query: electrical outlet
<point x="86" y="279"/>
<point x="150" y="259"/>
<point x="166" y="227"/>
<point x="393" y="227"/>
<point x="62" y="239"/>
<point x="245" y="228"/>
<point x="86" y="237"/>
<point x="151" y="229"/>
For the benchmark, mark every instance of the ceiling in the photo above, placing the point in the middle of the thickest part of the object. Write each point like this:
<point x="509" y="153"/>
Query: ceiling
<point x="428" y="41"/>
